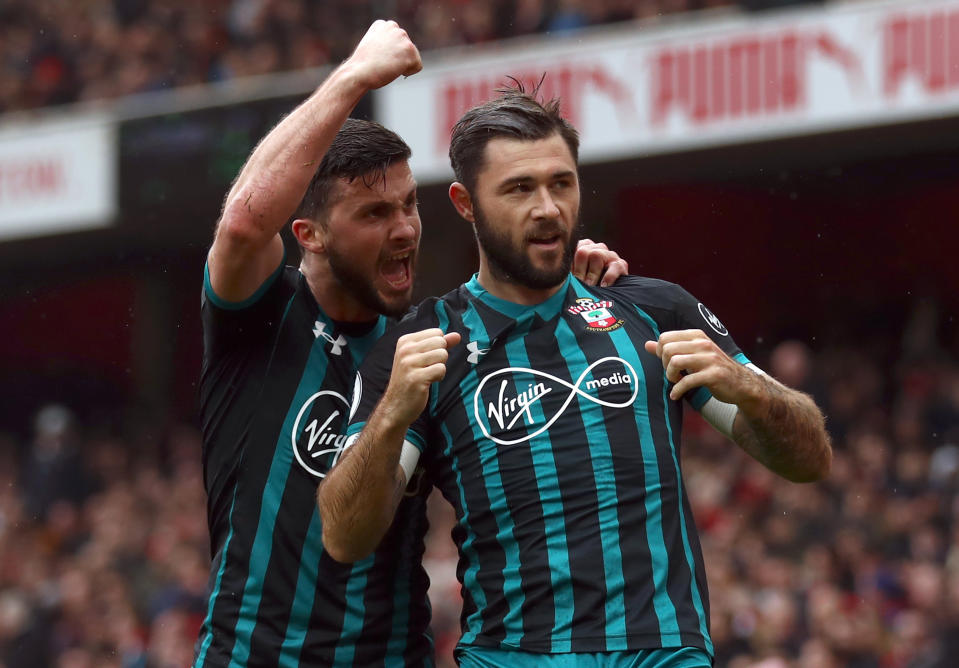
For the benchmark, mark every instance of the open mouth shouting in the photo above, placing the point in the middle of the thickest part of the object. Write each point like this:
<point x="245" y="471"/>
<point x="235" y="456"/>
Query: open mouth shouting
<point x="397" y="269"/>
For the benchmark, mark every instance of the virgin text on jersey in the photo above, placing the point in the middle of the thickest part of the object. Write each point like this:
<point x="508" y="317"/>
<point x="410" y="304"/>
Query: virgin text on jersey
<point x="317" y="437"/>
<point x="507" y="403"/>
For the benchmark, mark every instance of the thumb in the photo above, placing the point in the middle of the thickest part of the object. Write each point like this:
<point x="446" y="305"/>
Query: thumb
<point x="652" y="347"/>
<point x="452" y="338"/>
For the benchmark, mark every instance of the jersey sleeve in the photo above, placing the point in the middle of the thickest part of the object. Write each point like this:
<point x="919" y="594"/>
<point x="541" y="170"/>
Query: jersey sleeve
<point x="374" y="377"/>
<point x="229" y="327"/>
<point x="673" y="308"/>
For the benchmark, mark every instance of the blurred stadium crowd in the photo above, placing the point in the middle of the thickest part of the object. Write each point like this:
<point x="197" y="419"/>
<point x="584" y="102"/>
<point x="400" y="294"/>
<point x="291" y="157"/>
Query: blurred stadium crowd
<point x="103" y="550"/>
<point x="62" y="52"/>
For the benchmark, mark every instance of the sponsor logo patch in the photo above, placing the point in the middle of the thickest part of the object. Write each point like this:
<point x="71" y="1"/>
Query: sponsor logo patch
<point x="317" y="437"/>
<point x="507" y="404"/>
<point x="712" y="320"/>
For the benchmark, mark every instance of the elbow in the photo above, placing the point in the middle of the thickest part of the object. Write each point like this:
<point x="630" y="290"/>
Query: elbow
<point x="247" y="219"/>
<point x="817" y="468"/>
<point x="347" y="543"/>
<point x="819" y="462"/>
<point x="237" y="227"/>
<point x="824" y="463"/>
<point x="340" y="538"/>
<point x="342" y="551"/>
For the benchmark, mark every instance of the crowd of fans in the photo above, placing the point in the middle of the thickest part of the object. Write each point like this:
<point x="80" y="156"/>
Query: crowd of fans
<point x="54" y="52"/>
<point x="104" y="554"/>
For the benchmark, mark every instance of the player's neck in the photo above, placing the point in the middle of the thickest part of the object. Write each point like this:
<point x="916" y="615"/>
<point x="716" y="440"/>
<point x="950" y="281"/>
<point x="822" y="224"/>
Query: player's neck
<point x="514" y="292"/>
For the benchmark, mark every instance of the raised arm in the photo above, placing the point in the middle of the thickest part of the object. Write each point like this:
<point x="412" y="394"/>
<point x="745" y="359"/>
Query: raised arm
<point x="247" y="247"/>
<point x="360" y="494"/>
<point x="780" y="427"/>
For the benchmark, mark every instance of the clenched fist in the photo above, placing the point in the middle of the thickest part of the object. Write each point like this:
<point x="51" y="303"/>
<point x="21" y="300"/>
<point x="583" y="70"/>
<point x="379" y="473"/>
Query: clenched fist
<point x="385" y="53"/>
<point x="419" y="361"/>
<point x="691" y="359"/>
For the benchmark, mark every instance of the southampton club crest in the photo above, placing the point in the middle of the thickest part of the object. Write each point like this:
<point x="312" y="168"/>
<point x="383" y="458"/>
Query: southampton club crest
<point x="597" y="315"/>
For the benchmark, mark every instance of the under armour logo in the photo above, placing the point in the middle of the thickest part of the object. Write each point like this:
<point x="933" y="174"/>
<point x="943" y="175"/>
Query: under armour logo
<point x="337" y="343"/>
<point x="475" y="352"/>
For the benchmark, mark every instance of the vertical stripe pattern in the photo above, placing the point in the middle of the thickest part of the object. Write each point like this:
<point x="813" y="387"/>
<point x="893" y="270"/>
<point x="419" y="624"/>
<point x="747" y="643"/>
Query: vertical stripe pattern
<point x="278" y="375"/>
<point x="553" y="437"/>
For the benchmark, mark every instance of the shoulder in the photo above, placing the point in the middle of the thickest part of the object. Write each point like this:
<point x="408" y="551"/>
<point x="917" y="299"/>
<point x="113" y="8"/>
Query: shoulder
<point x="435" y="311"/>
<point x="670" y="305"/>
<point x="654" y="292"/>
<point x="419" y="316"/>
<point x="282" y="283"/>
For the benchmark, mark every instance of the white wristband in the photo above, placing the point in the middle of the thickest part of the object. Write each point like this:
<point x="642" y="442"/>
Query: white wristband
<point x="720" y="415"/>
<point x="409" y="456"/>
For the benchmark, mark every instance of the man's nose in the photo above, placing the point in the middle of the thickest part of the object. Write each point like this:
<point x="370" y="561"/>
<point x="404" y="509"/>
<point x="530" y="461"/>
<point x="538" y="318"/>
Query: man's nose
<point x="405" y="227"/>
<point x="546" y="205"/>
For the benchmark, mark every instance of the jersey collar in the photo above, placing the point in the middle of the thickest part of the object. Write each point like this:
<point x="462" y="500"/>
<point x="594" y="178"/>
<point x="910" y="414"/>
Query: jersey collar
<point x="545" y="310"/>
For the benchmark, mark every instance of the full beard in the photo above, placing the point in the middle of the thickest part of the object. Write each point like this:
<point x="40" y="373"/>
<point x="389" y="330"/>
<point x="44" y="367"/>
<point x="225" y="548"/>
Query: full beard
<point x="508" y="262"/>
<point x="362" y="288"/>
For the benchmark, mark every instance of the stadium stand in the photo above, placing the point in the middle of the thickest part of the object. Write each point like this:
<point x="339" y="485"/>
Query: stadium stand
<point x="64" y="52"/>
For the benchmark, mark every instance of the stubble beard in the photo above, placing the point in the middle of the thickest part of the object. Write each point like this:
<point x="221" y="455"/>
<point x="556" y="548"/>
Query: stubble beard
<point x="509" y="263"/>
<point x="362" y="288"/>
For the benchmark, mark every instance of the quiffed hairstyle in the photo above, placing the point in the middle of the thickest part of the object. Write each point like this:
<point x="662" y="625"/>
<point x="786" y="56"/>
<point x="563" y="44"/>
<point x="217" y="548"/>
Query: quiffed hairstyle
<point x="361" y="149"/>
<point x="515" y="114"/>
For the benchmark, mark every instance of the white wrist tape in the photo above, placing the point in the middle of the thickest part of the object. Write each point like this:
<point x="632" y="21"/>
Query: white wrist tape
<point x="720" y="415"/>
<point x="409" y="456"/>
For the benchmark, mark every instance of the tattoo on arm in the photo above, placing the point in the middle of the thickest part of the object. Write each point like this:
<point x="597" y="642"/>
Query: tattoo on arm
<point x="787" y="434"/>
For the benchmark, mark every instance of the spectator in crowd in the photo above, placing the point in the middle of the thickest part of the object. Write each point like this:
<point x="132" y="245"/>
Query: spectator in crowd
<point x="53" y="471"/>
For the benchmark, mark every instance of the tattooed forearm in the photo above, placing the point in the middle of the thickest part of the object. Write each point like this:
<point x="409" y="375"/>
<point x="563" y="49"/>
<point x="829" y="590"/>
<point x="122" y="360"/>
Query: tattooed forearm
<point x="784" y="430"/>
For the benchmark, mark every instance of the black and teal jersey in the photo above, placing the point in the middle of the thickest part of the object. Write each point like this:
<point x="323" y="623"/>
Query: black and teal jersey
<point x="554" y="438"/>
<point x="274" y="395"/>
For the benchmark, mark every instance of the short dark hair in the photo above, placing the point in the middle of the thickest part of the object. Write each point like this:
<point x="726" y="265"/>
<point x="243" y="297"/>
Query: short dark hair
<point x="361" y="149"/>
<point x="515" y="114"/>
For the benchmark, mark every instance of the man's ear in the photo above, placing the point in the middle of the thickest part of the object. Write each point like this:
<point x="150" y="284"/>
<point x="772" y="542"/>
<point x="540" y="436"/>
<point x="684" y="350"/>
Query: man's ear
<point x="310" y="234"/>
<point x="462" y="201"/>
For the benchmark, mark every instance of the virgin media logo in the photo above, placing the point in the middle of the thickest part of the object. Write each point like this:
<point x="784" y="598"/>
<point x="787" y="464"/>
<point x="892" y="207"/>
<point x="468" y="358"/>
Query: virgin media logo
<point x="508" y="406"/>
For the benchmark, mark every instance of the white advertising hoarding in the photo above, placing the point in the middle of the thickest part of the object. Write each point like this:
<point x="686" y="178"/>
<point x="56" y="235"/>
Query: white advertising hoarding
<point x="734" y="79"/>
<point x="57" y="176"/>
